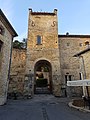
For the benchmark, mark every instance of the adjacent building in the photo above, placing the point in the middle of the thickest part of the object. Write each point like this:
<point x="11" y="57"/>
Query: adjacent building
<point x="7" y="33"/>
<point x="84" y="57"/>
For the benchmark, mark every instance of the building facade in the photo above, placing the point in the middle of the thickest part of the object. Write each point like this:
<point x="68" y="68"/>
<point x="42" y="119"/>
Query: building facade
<point x="6" y="36"/>
<point x="49" y="57"/>
<point x="84" y="57"/>
<point x="42" y="47"/>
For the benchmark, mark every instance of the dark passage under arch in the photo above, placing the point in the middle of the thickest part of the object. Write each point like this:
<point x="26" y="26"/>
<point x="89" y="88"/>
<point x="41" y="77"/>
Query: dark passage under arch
<point x="43" y="77"/>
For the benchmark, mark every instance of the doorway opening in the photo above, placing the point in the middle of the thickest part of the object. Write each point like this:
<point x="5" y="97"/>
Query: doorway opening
<point x="43" y="77"/>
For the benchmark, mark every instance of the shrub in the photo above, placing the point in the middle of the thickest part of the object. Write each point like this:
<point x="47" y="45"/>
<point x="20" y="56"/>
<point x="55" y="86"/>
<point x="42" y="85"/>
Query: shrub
<point x="41" y="82"/>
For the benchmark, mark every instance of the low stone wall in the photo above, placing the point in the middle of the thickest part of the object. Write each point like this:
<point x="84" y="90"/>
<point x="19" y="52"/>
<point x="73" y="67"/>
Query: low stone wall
<point x="78" y="103"/>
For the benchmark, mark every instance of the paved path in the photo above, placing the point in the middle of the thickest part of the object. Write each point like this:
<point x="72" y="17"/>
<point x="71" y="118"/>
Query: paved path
<point x="42" y="107"/>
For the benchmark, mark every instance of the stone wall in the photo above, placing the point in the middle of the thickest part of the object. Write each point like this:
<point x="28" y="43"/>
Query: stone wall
<point x="58" y="51"/>
<point x="85" y="68"/>
<point x="46" y="26"/>
<point x="17" y="74"/>
<point x="86" y="58"/>
<point x="70" y="66"/>
<point x="84" y="61"/>
<point x="6" y="39"/>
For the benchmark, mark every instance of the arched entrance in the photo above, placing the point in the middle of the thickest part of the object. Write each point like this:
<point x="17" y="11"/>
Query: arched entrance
<point x="43" y="77"/>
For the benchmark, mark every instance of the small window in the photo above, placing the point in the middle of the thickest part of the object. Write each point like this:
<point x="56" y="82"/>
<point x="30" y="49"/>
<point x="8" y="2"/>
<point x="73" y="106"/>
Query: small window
<point x="1" y="45"/>
<point x="68" y="44"/>
<point x="68" y="78"/>
<point x="2" y="30"/>
<point x="80" y="44"/>
<point x="38" y="40"/>
<point x="80" y="76"/>
<point x="87" y="43"/>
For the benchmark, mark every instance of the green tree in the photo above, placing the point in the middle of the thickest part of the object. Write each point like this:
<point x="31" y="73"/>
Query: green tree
<point x="20" y="45"/>
<point x="17" y="44"/>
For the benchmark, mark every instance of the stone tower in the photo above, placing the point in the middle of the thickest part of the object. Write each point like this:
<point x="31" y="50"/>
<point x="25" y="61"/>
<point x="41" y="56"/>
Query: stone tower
<point x="43" y="50"/>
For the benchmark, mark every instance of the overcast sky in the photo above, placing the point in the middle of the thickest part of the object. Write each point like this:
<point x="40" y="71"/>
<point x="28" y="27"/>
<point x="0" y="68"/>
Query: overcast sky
<point x="73" y="15"/>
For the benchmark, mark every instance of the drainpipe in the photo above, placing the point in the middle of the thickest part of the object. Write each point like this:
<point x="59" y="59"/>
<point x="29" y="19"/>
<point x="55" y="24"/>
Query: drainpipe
<point x="83" y="67"/>
<point x="83" y="76"/>
<point x="10" y="59"/>
<point x="9" y="67"/>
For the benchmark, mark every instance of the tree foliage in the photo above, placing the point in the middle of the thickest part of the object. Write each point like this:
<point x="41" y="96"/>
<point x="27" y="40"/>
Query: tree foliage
<point x="20" y="45"/>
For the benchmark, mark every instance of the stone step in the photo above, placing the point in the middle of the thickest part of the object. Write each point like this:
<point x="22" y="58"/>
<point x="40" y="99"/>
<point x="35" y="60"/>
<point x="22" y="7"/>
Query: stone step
<point x="42" y="90"/>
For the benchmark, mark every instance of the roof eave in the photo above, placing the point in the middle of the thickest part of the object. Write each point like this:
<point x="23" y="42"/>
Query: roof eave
<point x="77" y="36"/>
<point x="14" y="34"/>
<point x="82" y="52"/>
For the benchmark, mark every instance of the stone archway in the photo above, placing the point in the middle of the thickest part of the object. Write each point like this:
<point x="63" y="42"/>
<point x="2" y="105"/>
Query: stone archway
<point x="43" y="77"/>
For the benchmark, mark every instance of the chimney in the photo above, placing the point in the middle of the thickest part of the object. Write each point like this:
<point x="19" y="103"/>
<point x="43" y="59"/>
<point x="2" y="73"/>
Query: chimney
<point x="30" y="9"/>
<point x="67" y="33"/>
<point x="55" y="11"/>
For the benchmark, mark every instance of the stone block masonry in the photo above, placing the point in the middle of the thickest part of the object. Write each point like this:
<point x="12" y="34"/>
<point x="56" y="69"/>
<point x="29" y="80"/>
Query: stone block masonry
<point x="6" y="36"/>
